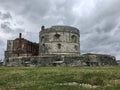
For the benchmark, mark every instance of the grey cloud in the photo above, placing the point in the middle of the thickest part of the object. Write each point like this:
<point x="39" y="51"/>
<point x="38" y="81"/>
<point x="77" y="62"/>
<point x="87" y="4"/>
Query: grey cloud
<point x="6" y="28"/>
<point x="19" y="30"/>
<point x="36" y="10"/>
<point x="32" y="9"/>
<point x="2" y="46"/>
<point x="5" y="16"/>
<point x="6" y="24"/>
<point x="1" y="53"/>
<point x="1" y="42"/>
<point x="100" y="43"/>
<point x="99" y="29"/>
<point x="105" y="11"/>
<point x="9" y="30"/>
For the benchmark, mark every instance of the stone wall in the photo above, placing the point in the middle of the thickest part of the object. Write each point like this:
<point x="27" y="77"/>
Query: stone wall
<point x="59" y="40"/>
<point x="99" y="59"/>
<point x="62" y="60"/>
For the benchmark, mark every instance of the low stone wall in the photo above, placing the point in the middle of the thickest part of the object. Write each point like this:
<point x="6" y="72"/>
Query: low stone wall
<point x="100" y="59"/>
<point x="62" y="60"/>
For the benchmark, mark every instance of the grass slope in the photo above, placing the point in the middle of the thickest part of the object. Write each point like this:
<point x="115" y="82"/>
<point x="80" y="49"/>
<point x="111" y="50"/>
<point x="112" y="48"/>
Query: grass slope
<point x="60" y="78"/>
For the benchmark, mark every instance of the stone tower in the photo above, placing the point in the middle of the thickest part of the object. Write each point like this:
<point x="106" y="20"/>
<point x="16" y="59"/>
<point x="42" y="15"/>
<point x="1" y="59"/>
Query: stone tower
<point x="62" y="40"/>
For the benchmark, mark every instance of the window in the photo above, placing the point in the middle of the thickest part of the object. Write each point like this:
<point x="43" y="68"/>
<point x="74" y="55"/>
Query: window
<point x="57" y="36"/>
<point x="74" y="38"/>
<point x="43" y="48"/>
<point x="59" y="46"/>
<point x="58" y="59"/>
<point x="42" y="39"/>
<point x="43" y="45"/>
<point x="76" y="47"/>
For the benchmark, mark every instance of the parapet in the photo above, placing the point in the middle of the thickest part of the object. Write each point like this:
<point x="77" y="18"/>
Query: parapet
<point x="60" y="28"/>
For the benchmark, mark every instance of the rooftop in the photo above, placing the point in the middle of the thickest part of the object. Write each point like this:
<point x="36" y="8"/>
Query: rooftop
<point x="61" y="28"/>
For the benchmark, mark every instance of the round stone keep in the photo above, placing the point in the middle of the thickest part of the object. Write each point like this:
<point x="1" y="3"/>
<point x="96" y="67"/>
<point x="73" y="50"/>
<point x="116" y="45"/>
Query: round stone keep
<point x="59" y="40"/>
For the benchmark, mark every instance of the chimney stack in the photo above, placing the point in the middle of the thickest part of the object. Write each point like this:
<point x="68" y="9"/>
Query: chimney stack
<point x="43" y="27"/>
<point x="20" y="35"/>
<point x="20" y="41"/>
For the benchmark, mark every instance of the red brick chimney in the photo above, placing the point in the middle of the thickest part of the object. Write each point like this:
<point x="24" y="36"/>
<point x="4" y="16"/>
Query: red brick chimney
<point x="20" y="40"/>
<point x="20" y="35"/>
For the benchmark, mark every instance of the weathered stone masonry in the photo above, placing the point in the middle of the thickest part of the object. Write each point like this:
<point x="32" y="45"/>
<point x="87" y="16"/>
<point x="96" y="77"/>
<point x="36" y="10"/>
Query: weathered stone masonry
<point x="58" y="45"/>
<point x="59" y="40"/>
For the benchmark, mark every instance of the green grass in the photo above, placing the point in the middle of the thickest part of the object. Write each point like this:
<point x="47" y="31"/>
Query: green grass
<point x="58" y="78"/>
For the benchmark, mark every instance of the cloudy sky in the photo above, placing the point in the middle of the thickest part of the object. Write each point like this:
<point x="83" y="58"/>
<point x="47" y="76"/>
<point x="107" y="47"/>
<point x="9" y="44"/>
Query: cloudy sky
<point x="97" y="20"/>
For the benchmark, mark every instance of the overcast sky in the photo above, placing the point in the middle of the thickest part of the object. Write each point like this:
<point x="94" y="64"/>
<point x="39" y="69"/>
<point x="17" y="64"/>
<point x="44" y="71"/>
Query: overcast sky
<point x="97" y="20"/>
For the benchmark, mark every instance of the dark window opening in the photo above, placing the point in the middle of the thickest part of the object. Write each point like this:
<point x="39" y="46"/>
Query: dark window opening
<point x="43" y="45"/>
<point x="59" y="46"/>
<point x="57" y="36"/>
<point x="44" y="48"/>
<point x="42" y="39"/>
<point x="74" y="38"/>
<point x="76" y="47"/>
<point x="7" y="60"/>
<point x="58" y="60"/>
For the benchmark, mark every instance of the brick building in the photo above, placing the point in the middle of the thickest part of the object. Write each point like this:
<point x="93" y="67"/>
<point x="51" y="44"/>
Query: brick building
<point x="21" y="47"/>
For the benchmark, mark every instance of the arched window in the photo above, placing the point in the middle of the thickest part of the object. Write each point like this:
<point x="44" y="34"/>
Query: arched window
<point x="74" y="38"/>
<point x="57" y="36"/>
<point x="59" y="46"/>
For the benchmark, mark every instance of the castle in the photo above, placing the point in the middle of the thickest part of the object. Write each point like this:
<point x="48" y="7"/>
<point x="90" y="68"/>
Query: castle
<point x="58" y="45"/>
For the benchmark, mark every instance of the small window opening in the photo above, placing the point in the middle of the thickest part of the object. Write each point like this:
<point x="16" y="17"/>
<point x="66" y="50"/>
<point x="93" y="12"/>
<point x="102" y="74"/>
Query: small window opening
<point x="43" y="45"/>
<point x="42" y="39"/>
<point x="57" y="36"/>
<point x="76" y="47"/>
<point x="58" y="59"/>
<point x="59" y="46"/>
<point x="74" y="38"/>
